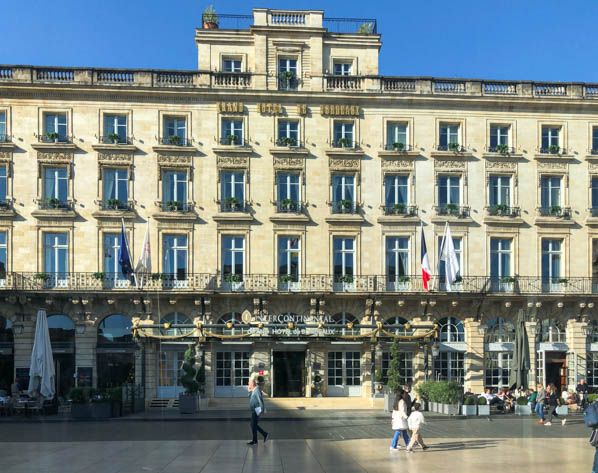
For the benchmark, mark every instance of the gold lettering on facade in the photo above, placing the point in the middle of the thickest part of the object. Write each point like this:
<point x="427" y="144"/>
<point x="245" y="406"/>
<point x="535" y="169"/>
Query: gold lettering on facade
<point x="270" y="108"/>
<point x="340" y="110"/>
<point x="230" y="107"/>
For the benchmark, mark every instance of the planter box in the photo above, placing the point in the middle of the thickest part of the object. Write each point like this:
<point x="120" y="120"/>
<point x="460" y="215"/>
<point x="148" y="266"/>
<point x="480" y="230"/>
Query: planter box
<point x="523" y="410"/>
<point x="117" y="409"/>
<point x="562" y="410"/>
<point x="450" y="409"/>
<point x="434" y="406"/>
<point x="203" y="402"/>
<point x="468" y="410"/>
<point x="187" y="404"/>
<point x="484" y="410"/>
<point x="81" y="411"/>
<point x="101" y="410"/>
<point x="387" y="403"/>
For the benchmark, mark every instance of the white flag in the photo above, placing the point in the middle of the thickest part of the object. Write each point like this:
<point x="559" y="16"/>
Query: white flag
<point x="449" y="256"/>
<point x="144" y="265"/>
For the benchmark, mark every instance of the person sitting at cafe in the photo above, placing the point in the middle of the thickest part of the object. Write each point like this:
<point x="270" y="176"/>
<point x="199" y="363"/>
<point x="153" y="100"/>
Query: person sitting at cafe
<point x="492" y="399"/>
<point x="469" y="393"/>
<point x="507" y="398"/>
<point x="571" y="397"/>
<point x="582" y="391"/>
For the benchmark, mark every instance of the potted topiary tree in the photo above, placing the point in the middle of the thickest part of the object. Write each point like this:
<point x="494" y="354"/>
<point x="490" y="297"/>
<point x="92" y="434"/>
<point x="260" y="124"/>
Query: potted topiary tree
<point x="522" y="407"/>
<point x="188" y="399"/>
<point x="468" y="408"/>
<point x="394" y="380"/>
<point x="210" y="18"/>
<point x="379" y="379"/>
<point x="483" y="407"/>
<point x="316" y="387"/>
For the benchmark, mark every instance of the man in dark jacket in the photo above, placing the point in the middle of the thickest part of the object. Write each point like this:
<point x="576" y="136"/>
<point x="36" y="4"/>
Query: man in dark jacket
<point x="256" y="405"/>
<point x="582" y="391"/>
<point x="551" y="402"/>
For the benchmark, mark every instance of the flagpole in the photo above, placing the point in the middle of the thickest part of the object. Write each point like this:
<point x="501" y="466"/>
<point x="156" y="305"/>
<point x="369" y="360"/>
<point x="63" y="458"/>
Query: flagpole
<point x="440" y="252"/>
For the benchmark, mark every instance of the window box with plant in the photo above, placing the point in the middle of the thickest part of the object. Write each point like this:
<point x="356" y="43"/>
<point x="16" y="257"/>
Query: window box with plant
<point x="289" y="282"/>
<point x="233" y="140"/>
<point x="500" y="209"/>
<point x="52" y="203"/>
<point x="41" y="276"/>
<point x="468" y="408"/>
<point x="344" y="282"/>
<point x="52" y="136"/>
<point x="114" y="137"/>
<point x="399" y="209"/>
<point x="502" y="149"/>
<point x="555" y="210"/>
<point x="344" y="143"/>
<point x="397" y="146"/>
<point x="554" y="149"/>
<point x="209" y="18"/>
<point x="233" y="282"/>
<point x="345" y="206"/>
<point x="288" y="141"/>
<point x="451" y="209"/>
<point x="286" y="78"/>
<point x="114" y="204"/>
<point x="288" y="205"/>
<point x="175" y="140"/>
<point x="98" y="276"/>
<point x="455" y="147"/>
<point x="232" y="204"/>
<point x="173" y="205"/>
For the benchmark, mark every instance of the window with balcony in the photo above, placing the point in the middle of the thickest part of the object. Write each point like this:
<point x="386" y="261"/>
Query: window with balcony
<point x="3" y="254"/>
<point x="232" y="65"/>
<point x="56" y="250"/>
<point x="550" y="195"/>
<point x="288" y="133"/>
<point x="232" y="132"/>
<point x="289" y="261"/>
<point x="343" y="193"/>
<point x="232" y="191"/>
<point x="343" y="135"/>
<point x="449" y="195"/>
<point x="233" y="260"/>
<point x="3" y="188"/>
<point x="396" y="137"/>
<point x="396" y="199"/>
<point x="113" y="275"/>
<point x="174" y="191"/>
<point x="55" y="128"/>
<point x="289" y="195"/>
<point x="3" y="135"/>
<point x="499" y="139"/>
<point x="457" y="244"/>
<point x="397" y="263"/>
<point x="448" y="137"/>
<point x="175" y="260"/>
<point x="116" y="188"/>
<point x="551" y="139"/>
<point x="115" y="129"/>
<point x="500" y="264"/>
<point x="551" y="265"/>
<point x="175" y="131"/>
<point x="500" y="195"/>
<point x="55" y="187"/>
<point x="594" y="149"/>
<point x="287" y="73"/>
<point x="343" y="68"/>
<point x="343" y="262"/>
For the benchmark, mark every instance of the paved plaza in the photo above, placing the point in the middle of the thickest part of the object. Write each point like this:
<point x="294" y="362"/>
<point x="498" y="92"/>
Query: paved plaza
<point x="321" y="442"/>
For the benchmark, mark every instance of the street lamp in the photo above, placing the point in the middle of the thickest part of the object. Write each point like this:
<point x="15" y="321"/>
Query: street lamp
<point x="435" y="350"/>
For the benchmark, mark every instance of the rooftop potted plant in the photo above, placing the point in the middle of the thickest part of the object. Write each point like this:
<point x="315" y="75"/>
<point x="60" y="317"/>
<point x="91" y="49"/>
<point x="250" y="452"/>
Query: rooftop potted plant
<point x="469" y="408"/>
<point x="114" y="137"/>
<point x="365" y="28"/>
<point x="209" y="18"/>
<point x="188" y="399"/>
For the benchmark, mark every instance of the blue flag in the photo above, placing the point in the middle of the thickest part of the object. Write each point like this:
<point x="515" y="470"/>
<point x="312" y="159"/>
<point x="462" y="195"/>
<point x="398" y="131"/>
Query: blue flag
<point x="124" y="258"/>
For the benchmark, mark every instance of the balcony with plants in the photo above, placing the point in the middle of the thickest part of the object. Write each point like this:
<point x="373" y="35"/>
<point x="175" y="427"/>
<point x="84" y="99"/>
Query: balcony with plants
<point x="452" y="210"/>
<point x="289" y="282"/>
<point x="55" y="204"/>
<point x="345" y="206"/>
<point x="287" y="80"/>
<point x="233" y="204"/>
<point x="399" y="209"/>
<point x="344" y="143"/>
<point x="503" y="210"/>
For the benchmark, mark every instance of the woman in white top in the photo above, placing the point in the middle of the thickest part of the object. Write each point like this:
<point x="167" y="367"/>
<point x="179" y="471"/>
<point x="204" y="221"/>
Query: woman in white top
<point x="416" y="422"/>
<point x="399" y="421"/>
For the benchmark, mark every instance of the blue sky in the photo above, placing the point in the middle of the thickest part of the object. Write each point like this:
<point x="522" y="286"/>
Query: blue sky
<point x="525" y="39"/>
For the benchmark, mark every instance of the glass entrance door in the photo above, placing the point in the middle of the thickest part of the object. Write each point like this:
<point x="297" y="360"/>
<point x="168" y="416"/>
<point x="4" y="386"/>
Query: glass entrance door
<point x="289" y="373"/>
<point x="169" y="368"/>
<point x="232" y="373"/>
<point x="64" y="366"/>
<point x="344" y="373"/>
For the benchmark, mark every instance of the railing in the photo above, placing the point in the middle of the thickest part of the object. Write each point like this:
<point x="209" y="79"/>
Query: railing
<point x="53" y="138"/>
<point x="460" y="211"/>
<point x="344" y="207"/>
<point x="351" y="25"/>
<point x="175" y="78"/>
<point x="225" y="140"/>
<point x="174" y="140"/>
<point x="390" y="84"/>
<point x="398" y="147"/>
<point x="555" y="211"/>
<point x="116" y="77"/>
<point x="549" y="89"/>
<point x="553" y="150"/>
<point x="501" y="149"/>
<point x="289" y="142"/>
<point x="232" y="79"/>
<point x="189" y="282"/>
<point x="449" y="87"/>
<point x="116" y="204"/>
<point x="288" y="84"/>
<point x="5" y="204"/>
<point x="122" y="140"/>
<point x="591" y="90"/>
<point x="4" y="138"/>
<point x="286" y="18"/>
<point x="340" y="143"/>
<point x="454" y="147"/>
<point x="501" y="210"/>
<point x="56" y="75"/>
<point x="289" y="206"/>
<point x="175" y="206"/>
<point x="232" y="204"/>
<point x="55" y="204"/>
<point x="500" y="88"/>
<point x="400" y="209"/>
<point x="5" y="73"/>
<point x="344" y="82"/>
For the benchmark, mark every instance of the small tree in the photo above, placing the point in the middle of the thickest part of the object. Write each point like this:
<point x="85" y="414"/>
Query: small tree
<point x="395" y="379"/>
<point x="188" y="378"/>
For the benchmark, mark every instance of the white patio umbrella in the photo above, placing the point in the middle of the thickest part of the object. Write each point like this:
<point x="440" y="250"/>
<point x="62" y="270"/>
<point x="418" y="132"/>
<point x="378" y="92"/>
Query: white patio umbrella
<point x="41" y="372"/>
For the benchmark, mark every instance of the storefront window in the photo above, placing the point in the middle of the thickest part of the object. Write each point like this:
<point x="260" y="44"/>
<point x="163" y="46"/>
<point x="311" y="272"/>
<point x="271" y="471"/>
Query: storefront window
<point x="500" y="331"/>
<point x="115" y="329"/>
<point x="451" y="330"/>
<point x="552" y="332"/>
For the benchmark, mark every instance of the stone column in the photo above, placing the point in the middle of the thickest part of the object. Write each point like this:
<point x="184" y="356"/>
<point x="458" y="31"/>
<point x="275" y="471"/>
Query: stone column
<point x="85" y="349"/>
<point x="531" y="327"/>
<point x="318" y="364"/>
<point x="577" y="342"/>
<point x="474" y="357"/>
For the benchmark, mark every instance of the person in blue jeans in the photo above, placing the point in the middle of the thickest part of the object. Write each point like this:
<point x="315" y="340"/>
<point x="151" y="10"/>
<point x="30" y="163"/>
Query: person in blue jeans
<point x="399" y="420"/>
<point x="540" y="398"/>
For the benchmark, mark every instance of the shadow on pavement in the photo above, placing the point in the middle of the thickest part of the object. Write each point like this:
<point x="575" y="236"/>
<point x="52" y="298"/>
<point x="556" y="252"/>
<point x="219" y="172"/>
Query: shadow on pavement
<point x="467" y="445"/>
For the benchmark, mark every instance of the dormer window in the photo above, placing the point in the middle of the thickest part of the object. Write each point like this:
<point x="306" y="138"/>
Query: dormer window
<point x="343" y="68"/>
<point x="231" y="65"/>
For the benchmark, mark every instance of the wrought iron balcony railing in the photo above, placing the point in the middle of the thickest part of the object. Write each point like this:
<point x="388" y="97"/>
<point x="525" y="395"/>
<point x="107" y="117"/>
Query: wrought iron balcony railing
<point x="289" y="206"/>
<point x="453" y="210"/>
<point x="400" y="209"/>
<point x="116" y="204"/>
<point x="555" y="211"/>
<point x="344" y="207"/>
<point x="175" y="206"/>
<point x="116" y="140"/>
<point x="174" y="140"/>
<point x="230" y="141"/>
<point x="454" y="147"/>
<point x="289" y="142"/>
<point x="501" y="149"/>
<point x="554" y="149"/>
<point x="501" y="210"/>
<point x="55" y="204"/>
<point x="52" y="137"/>
<point x="398" y="147"/>
<point x="232" y="204"/>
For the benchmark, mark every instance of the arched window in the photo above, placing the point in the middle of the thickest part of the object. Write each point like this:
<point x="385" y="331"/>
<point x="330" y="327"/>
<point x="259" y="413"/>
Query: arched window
<point x="499" y="331"/>
<point x="593" y="332"/>
<point x="342" y="319"/>
<point x="235" y="319"/>
<point x="397" y="326"/>
<point x="175" y="318"/>
<point x="552" y="331"/>
<point x="61" y="328"/>
<point x="115" y="329"/>
<point x="451" y="330"/>
<point x="6" y="335"/>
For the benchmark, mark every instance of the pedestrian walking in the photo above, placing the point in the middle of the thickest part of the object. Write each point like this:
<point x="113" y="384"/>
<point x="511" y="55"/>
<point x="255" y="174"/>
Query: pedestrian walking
<point x="257" y="408"/>
<point x="399" y="421"/>
<point x="582" y="390"/>
<point x="540" y="399"/>
<point x="416" y="422"/>
<point x="552" y="403"/>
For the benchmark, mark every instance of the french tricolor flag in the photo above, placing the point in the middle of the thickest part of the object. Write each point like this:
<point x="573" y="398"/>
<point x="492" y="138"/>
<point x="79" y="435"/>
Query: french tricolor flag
<point x="426" y="273"/>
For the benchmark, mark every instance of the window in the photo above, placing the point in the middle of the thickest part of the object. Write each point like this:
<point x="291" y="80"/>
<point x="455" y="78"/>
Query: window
<point x="56" y="258"/>
<point x="343" y="369"/>
<point x="448" y="137"/>
<point x="449" y="366"/>
<point x="552" y="332"/>
<point x="499" y="138"/>
<point x="288" y="192"/>
<point x="174" y="190"/>
<point x="175" y="318"/>
<point x="3" y="136"/>
<point x="592" y="332"/>
<point x="3" y="254"/>
<point x="3" y="186"/>
<point x="232" y="368"/>
<point x="175" y="257"/>
<point x="55" y="186"/>
<point x="551" y="264"/>
<point x="398" y="326"/>
<point x="175" y="131"/>
<point x="451" y="330"/>
<point x="233" y="256"/>
<point x="343" y="193"/>
<point x="500" y="330"/>
<point x="115" y="125"/>
<point x="112" y="270"/>
<point x="55" y="127"/>
<point x="288" y="133"/>
<point x="116" y="188"/>
<point x="397" y="193"/>
<point x="396" y="136"/>
<point x="500" y="191"/>
<point x="441" y="264"/>
<point x="115" y="329"/>
<point x="235" y="319"/>
<point x="500" y="258"/>
<point x="344" y="259"/>
<point x="231" y="65"/>
<point x="449" y="190"/>
<point x="342" y="319"/>
<point x="594" y="138"/>
<point x="550" y="139"/>
<point x="592" y="368"/>
<point x="343" y="68"/>
<point x="497" y="369"/>
<point x="343" y="135"/>
<point x="405" y="367"/>
<point x="397" y="259"/>
<point x="287" y="73"/>
<point x="232" y="132"/>
<point x="233" y="191"/>
<point x="289" y="259"/>
<point x="594" y="189"/>
<point x="550" y="191"/>
<point x="61" y="329"/>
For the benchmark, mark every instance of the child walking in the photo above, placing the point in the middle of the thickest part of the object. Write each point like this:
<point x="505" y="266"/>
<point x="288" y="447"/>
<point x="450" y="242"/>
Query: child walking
<point x="416" y="422"/>
<point x="399" y="421"/>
